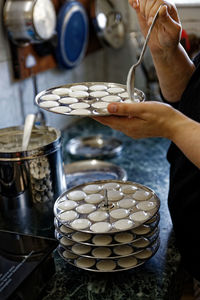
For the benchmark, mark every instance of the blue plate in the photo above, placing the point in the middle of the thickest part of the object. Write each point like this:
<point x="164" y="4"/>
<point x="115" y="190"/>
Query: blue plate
<point x="72" y="32"/>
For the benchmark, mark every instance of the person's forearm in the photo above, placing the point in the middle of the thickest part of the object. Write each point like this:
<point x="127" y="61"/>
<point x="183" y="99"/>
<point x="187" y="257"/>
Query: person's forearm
<point x="174" y="72"/>
<point x="185" y="133"/>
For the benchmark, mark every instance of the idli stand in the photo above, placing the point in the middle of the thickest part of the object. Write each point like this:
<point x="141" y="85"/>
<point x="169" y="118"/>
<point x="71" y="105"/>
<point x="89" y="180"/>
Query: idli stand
<point x="107" y="225"/>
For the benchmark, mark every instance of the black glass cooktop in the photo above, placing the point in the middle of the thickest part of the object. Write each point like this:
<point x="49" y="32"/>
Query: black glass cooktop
<point x="26" y="264"/>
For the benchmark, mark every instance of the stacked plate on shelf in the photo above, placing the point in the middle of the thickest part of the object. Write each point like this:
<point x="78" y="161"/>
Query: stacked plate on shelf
<point x="107" y="225"/>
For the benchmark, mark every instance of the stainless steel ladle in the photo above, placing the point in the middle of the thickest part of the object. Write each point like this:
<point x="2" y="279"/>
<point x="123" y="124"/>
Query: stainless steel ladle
<point x="130" y="82"/>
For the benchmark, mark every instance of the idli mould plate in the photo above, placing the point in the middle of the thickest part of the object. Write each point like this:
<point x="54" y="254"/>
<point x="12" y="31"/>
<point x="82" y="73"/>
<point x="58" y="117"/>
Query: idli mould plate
<point x="104" y="240"/>
<point x="103" y="218"/>
<point x="85" y="98"/>
<point x="111" y="265"/>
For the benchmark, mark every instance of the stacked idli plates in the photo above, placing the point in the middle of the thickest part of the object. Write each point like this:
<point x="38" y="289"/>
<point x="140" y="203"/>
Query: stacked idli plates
<point x="84" y="99"/>
<point x="107" y="225"/>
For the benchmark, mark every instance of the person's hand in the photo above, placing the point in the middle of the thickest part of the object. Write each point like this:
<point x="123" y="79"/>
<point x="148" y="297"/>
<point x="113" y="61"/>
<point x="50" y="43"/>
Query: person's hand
<point x="141" y="120"/>
<point x="166" y="33"/>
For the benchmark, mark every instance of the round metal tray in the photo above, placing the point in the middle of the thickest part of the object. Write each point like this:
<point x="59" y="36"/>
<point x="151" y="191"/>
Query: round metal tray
<point x="154" y="230"/>
<point x="131" y="246"/>
<point x="94" y="146"/>
<point x="153" y="249"/>
<point x="85" y="98"/>
<point x="112" y="224"/>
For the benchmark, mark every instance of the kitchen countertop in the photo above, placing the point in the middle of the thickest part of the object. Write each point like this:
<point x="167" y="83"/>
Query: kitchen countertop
<point x="160" y="277"/>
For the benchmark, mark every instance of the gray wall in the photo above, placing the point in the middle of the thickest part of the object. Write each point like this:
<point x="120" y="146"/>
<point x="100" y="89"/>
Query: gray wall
<point x="17" y="98"/>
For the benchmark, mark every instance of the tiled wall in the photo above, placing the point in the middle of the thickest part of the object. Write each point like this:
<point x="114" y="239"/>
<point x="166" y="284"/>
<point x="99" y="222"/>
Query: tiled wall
<point x="16" y="98"/>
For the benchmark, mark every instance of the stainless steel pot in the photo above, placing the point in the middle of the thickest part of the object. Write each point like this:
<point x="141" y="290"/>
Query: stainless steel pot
<point x="29" y="21"/>
<point x="32" y="176"/>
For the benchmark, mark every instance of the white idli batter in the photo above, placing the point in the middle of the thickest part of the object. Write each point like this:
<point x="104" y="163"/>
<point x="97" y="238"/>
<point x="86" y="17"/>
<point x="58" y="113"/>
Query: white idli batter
<point x="68" y="215"/>
<point x="119" y="213"/>
<point x="140" y="216"/>
<point x="101" y="252"/>
<point x="98" y="216"/>
<point x="67" y="205"/>
<point x="85" y="208"/>
<point x="102" y="240"/>
<point x="100" y="227"/>
<point x="106" y="265"/>
<point x="80" y="224"/>
<point x="76" y="195"/>
<point x="79" y="87"/>
<point x="127" y="262"/>
<point x="49" y="97"/>
<point x="61" y="91"/>
<point x="92" y="188"/>
<point x="60" y="109"/>
<point x="123" y="224"/>
<point x="94" y="198"/>
<point x="98" y="87"/>
<point x="84" y="262"/>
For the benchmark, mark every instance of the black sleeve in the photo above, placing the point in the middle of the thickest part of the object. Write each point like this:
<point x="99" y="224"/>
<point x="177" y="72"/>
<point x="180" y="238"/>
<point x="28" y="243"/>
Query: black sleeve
<point x="196" y="60"/>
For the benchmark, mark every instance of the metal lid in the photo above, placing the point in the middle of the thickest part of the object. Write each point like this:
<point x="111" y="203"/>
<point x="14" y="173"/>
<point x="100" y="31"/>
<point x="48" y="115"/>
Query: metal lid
<point x="41" y="142"/>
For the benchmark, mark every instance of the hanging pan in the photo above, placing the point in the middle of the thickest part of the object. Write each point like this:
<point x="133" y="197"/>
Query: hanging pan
<point x="72" y="34"/>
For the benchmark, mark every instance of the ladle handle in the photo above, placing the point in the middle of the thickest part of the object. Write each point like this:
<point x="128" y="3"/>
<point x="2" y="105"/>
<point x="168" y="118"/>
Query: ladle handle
<point x="29" y="121"/>
<point x="148" y="36"/>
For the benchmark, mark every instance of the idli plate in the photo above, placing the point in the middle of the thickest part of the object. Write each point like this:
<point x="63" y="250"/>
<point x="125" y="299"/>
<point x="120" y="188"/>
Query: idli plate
<point x="115" y="219"/>
<point x="90" y="93"/>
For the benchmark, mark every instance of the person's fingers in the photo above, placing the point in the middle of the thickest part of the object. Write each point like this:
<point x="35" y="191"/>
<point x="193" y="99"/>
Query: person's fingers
<point x="143" y="6"/>
<point x="173" y="13"/>
<point x="150" y="9"/>
<point x="168" y="15"/>
<point x="167" y="9"/>
<point x="126" y="109"/>
<point x="167" y="21"/>
<point x="134" y="129"/>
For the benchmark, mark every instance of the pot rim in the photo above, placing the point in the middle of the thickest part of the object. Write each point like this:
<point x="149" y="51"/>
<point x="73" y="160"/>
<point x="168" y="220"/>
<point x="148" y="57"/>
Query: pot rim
<point x="44" y="150"/>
